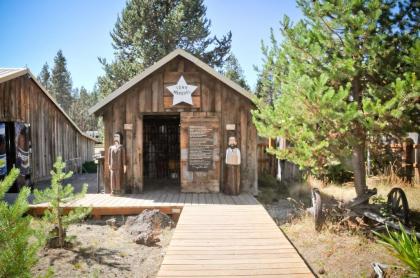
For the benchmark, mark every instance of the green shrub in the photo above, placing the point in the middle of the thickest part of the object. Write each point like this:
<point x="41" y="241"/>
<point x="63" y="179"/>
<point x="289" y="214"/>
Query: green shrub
<point x="404" y="246"/>
<point x="336" y="174"/>
<point x="266" y="180"/>
<point x="89" y="167"/>
<point x="270" y="189"/>
<point x="57" y="195"/>
<point x="19" y="243"/>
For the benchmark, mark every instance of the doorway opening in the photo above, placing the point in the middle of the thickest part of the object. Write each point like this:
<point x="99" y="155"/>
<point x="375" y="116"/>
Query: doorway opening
<point x="161" y="152"/>
<point x="15" y="151"/>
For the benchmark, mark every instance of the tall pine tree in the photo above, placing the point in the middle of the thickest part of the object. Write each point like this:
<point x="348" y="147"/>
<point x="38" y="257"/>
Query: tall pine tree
<point x="45" y="77"/>
<point x="83" y="100"/>
<point x="61" y="84"/>
<point x="233" y="70"/>
<point x="147" y="30"/>
<point x="343" y="77"/>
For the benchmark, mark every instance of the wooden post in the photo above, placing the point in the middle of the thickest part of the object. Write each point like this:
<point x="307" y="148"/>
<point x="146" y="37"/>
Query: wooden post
<point x="408" y="159"/>
<point x="138" y="155"/>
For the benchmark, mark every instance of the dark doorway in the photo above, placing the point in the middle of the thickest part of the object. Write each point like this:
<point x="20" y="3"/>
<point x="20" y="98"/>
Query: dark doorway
<point x="15" y="151"/>
<point x="161" y="151"/>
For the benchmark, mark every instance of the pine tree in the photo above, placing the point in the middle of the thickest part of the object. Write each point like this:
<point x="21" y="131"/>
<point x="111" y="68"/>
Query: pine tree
<point x="61" y="84"/>
<point x="18" y="249"/>
<point x="45" y="77"/>
<point x="267" y="88"/>
<point x="344" y="76"/>
<point x="147" y="30"/>
<point x="83" y="100"/>
<point x="232" y="70"/>
<point x="57" y="195"/>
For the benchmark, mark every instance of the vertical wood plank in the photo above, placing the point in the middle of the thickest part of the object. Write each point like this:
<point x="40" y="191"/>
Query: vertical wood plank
<point x="243" y="148"/>
<point x="108" y="127"/>
<point x="138" y="150"/>
<point x="155" y="94"/>
<point x="130" y="113"/>
<point x="160" y="89"/>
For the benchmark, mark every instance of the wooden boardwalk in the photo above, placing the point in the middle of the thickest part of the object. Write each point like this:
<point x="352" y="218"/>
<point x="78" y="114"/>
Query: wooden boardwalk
<point x="230" y="241"/>
<point x="216" y="235"/>
<point x="167" y="201"/>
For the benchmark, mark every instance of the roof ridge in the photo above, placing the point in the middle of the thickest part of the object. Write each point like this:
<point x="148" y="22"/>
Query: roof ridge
<point x="145" y="73"/>
<point x="22" y="71"/>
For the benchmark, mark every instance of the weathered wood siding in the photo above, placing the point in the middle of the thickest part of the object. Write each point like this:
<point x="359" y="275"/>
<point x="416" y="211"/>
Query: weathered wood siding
<point x="151" y="96"/>
<point x="52" y="134"/>
<point x="193" y="181"/>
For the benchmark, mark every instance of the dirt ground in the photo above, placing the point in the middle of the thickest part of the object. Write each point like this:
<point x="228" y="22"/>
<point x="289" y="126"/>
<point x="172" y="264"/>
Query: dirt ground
<point x="331" y="254"/>
<point x="101" y="251"/>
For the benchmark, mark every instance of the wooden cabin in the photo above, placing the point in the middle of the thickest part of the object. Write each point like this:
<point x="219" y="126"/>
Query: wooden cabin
<point x="178" y="138"/>
<point x="34" y="129"/>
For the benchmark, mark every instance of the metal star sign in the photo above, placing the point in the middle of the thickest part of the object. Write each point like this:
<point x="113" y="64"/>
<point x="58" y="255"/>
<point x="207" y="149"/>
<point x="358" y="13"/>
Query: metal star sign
<point x="182" y="92"/>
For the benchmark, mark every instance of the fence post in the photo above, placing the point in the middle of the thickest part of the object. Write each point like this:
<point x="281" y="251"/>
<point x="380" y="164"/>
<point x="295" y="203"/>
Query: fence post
<point x="408" y="159"/>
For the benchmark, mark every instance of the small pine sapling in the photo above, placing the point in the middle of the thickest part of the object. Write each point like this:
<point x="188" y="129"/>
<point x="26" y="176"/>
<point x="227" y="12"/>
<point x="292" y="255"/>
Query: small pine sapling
<point x="58" y="195"/>
<point x="19" y="243"/>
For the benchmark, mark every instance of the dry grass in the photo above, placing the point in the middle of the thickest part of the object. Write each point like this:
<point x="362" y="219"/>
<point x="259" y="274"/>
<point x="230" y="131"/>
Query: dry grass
<point x="338" y="254"/>
<point x="346" y="191"/>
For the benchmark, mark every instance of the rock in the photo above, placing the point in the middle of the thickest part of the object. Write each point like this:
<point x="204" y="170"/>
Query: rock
<point x="147" y="226"/>
<point x="146" y="238"/>
<point x="321" y="271"/>
<point x="112" y="223"/>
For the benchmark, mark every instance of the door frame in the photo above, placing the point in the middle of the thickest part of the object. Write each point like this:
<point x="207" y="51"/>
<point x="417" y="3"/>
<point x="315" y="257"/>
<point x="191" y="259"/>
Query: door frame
<point x="140" y="130"/>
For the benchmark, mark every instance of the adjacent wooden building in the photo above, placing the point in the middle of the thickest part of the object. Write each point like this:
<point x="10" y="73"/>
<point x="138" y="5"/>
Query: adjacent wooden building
<point x="176" y="118"/>
<point x="34" y="129"/>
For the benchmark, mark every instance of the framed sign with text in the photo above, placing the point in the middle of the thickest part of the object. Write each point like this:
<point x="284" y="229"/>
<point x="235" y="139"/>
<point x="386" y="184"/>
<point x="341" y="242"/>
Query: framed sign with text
<point x="200" y="148"/>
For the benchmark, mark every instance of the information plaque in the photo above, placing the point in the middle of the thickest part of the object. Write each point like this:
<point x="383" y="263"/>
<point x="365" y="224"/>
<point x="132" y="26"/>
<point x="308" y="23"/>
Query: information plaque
<point x="200" y="148"/>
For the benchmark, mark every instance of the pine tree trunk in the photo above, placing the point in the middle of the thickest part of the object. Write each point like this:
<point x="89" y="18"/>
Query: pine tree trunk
<point x="358" y="151"/>
<point x="60" y="229"/>
<point x="358" y="162"/>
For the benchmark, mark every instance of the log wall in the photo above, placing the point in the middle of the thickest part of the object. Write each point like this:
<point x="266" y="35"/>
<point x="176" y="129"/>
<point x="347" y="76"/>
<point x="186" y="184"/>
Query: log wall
<point x="52" y="134"/>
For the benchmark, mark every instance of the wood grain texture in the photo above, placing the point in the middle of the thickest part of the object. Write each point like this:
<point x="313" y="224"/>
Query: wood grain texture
<point x="230" y="241"/>
<point x="105" y="204"/>
<point x="52" y="134"/>
<point x="212" y="97"/>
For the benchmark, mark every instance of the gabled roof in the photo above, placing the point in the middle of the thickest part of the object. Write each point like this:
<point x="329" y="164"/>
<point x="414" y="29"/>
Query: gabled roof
<point x="7" y="74"/>
<point x="177" y="52"/>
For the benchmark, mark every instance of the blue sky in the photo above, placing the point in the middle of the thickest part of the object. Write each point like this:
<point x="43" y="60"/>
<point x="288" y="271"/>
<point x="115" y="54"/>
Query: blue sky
<point x="32" y="31"/>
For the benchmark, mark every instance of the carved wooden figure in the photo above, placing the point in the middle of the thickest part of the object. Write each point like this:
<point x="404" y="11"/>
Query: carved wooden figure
<point x="117" y="164"/>
<point x="233" y="162"/>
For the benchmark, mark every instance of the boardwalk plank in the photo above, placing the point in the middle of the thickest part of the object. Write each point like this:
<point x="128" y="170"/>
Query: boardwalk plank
<point x="230" y="241"/>
<point x="216" y="235"/>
